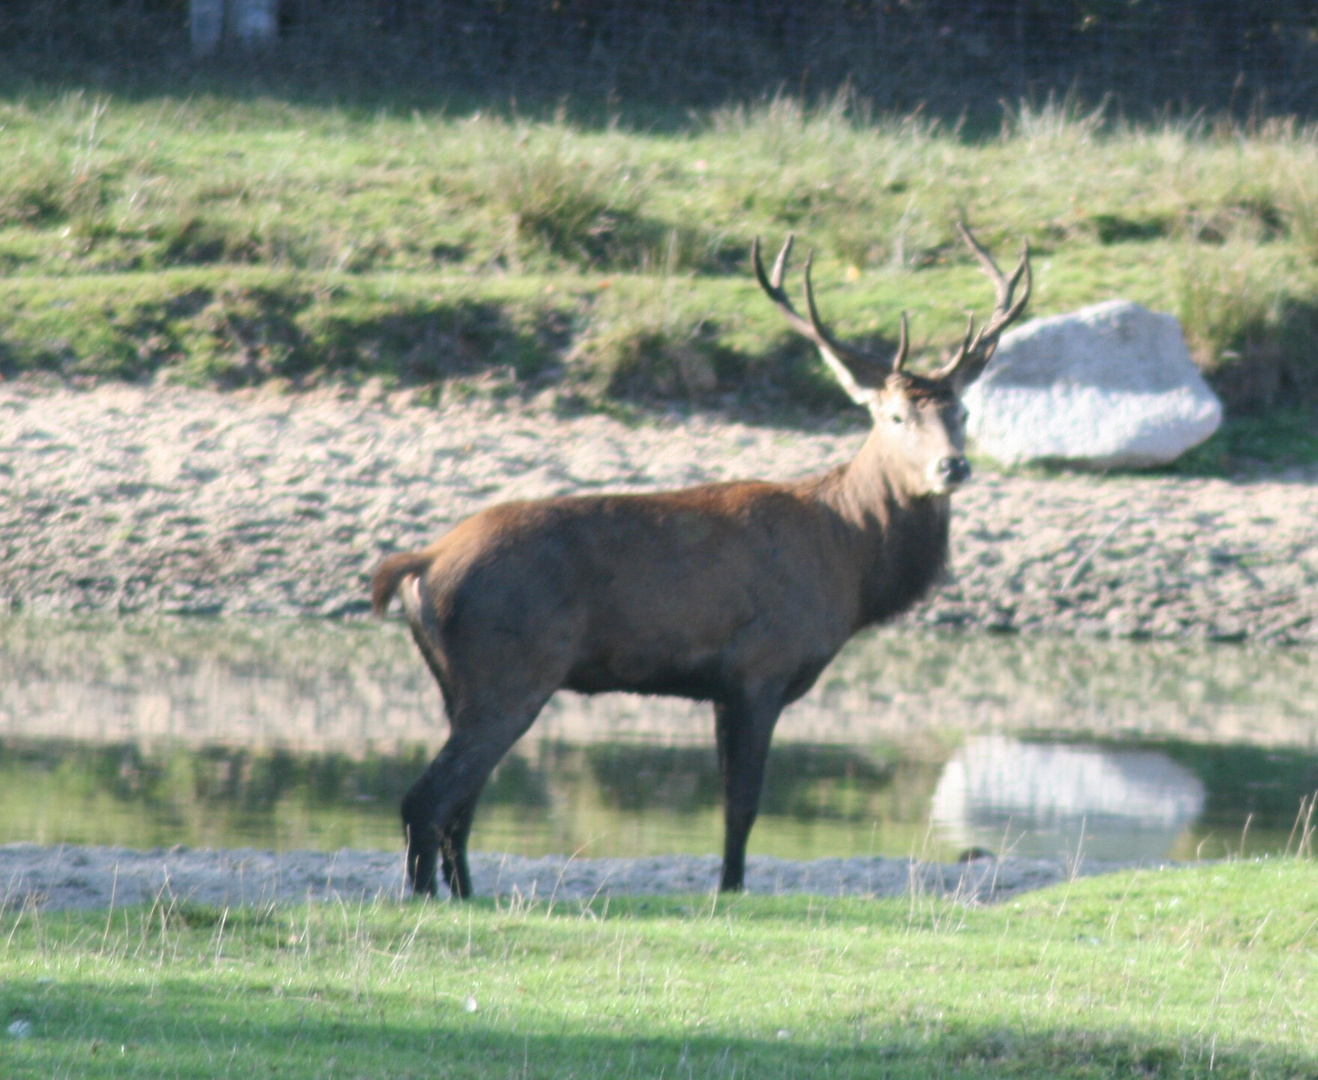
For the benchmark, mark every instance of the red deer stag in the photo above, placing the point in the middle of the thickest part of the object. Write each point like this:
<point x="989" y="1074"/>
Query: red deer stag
<point x="736" y="593"/>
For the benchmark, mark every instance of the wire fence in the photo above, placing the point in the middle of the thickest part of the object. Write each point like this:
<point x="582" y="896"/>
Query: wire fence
<point x="952" y="57"/>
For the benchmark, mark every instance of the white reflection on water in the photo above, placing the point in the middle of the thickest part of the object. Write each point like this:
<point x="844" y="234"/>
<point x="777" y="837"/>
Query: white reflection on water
<point x="1056" y="799"/>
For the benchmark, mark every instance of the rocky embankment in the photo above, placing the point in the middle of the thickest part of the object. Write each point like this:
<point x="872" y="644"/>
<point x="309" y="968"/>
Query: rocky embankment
<point x="166" y="500"/>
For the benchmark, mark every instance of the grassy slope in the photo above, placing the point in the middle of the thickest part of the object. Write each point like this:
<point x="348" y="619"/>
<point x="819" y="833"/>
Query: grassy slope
<point x="229" y="243"/>
<point x="1188" y="973"/>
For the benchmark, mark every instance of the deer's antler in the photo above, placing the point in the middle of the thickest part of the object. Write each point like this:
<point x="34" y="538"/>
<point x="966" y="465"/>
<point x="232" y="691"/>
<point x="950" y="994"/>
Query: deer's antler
<point x="976" y="349"/>
<point x="854" y="369"/>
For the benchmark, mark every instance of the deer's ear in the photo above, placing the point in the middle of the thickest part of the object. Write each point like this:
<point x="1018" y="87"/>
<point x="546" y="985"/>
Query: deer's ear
<point x="874" y="403"/>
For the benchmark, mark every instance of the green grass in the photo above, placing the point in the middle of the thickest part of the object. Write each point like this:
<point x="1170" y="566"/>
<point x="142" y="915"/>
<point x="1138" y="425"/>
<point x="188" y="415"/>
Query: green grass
<point x="1191" y="973"/>
<point x="226" y="242"/>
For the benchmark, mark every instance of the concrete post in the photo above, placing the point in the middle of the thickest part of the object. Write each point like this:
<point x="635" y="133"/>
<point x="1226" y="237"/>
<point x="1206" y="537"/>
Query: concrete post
<point x="206" y="23"/>
<point x="249" y="22"/>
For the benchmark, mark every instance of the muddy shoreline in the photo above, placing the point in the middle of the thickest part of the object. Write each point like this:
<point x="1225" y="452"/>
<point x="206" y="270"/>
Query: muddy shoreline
<point x="128" y="500"/>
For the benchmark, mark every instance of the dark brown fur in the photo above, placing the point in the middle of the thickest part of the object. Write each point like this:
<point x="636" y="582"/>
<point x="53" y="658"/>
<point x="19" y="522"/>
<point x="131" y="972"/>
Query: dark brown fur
<point x="737" y="593"/>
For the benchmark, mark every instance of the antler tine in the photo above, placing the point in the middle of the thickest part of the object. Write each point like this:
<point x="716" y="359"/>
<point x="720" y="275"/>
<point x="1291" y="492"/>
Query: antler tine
<point x="780" y="263"/>
<point x="1002" y="319"/>
<point x="968" y="344"/>
<point x="1022" y="267"/>
<point x="985" y="259"/>
<point x="971" y="339"/>
<point x="773" y="287"/>
<point x="903" y="345"/>
<point x="817" y="324"/>
<point x="1004" y="287"/>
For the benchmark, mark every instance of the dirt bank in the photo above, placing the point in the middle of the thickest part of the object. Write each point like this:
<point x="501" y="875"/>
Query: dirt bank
<point x="169" y="500"/>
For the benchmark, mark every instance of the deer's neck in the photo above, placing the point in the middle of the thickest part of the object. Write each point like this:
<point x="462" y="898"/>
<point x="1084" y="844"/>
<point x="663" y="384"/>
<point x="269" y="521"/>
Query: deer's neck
<point x="897" y="541"/>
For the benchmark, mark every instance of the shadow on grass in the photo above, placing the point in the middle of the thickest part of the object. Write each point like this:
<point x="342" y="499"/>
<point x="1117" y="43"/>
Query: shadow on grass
<point x="237" y="335"/>
<point x="186" y="1029"/>
<point x="1285" y="438"/>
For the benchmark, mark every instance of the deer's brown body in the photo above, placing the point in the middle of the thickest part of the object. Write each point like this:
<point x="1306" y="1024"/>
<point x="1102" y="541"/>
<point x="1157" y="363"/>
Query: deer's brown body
<point x="737" y="593"/>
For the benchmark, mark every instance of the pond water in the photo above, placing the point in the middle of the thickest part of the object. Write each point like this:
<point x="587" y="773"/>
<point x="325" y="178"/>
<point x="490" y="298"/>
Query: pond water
<point x="306" y="734"/>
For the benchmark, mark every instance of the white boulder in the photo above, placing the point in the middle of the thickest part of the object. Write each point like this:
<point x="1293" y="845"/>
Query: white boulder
<point x="1111" y="385"/>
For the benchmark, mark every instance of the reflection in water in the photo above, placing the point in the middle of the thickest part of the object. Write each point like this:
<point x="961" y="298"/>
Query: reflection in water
<point x="1056" y="800"/>
<point x="602" y="799"/>
<point x="803" y="781"/>
<point x="289" y="734"/>
<point x="624" y="798"/>
<point x="59" y="791"/>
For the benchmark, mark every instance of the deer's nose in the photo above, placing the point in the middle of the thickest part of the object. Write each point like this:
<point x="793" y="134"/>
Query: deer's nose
<point x="954" y="470"/>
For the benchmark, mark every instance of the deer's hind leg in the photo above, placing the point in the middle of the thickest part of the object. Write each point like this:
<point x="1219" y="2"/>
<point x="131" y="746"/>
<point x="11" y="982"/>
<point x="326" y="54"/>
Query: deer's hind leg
<point x="453" y="850"/>
<point x="438" y="846"/>
<point x="498" y="653"/>
<point x="438" y="810"/>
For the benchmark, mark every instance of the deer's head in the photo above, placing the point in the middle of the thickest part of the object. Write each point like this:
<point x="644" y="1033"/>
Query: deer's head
<point x="919" y="421"/>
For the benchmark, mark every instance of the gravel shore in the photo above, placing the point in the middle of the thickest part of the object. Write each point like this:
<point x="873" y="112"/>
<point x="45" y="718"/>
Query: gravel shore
<point x="168" y="500"/>
<point x="54" y="878"/>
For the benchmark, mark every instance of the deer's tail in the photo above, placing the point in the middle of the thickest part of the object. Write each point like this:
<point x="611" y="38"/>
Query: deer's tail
<point x="386" y="579"/>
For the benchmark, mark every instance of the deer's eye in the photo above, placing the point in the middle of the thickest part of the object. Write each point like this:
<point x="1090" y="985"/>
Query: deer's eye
<point x="897" y="418"/>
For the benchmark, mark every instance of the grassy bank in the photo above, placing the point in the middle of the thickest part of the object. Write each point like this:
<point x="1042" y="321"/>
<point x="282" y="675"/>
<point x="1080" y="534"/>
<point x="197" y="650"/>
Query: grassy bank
<point x="231" y="243"/>
<point x="1188" y="973"/>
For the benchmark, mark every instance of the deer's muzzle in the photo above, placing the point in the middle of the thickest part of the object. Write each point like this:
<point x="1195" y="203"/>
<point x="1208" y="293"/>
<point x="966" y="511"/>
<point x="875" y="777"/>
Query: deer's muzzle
<point x="951" y="471"/>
